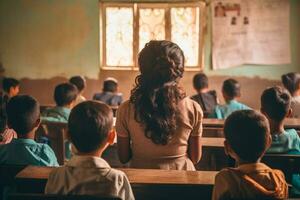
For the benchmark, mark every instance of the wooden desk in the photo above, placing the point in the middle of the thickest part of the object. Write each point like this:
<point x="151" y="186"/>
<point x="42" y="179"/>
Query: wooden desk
<point x="218" y="124"/>
<point x="146" y="183"/>
<point x="212" y="142"/>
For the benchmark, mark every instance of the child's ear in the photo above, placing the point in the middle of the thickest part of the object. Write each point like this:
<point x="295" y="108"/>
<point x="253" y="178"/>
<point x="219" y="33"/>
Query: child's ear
<point x="111" y="137"/>
<point x="38" y="122"/>
<point x="289" y="114"/>
<point x="269" y="141"/>
<point x="226" y="147"/>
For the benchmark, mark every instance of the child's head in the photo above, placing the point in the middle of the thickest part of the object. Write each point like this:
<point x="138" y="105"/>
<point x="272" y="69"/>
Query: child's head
<point x="110" y="85"/>
<point x="247" y="135"/>
<point x="200" y="82"/>
<point x="65" y="94"/>
<point x="79" y="82"/>
<point x="23" y="114"/>
<point x="90" y="127"/>
<point x="291" y="82"/>
<point x="11" y="86"/>
<point x="276" y="103"/>
<point x="231" y="89"/>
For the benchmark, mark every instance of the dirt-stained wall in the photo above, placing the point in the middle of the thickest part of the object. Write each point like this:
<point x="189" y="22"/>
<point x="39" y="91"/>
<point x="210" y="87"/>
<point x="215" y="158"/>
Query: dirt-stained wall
<point x="45" y="42"/>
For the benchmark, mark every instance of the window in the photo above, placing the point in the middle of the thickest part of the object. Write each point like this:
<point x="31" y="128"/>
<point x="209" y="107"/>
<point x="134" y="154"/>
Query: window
<point x="127" y="27"/>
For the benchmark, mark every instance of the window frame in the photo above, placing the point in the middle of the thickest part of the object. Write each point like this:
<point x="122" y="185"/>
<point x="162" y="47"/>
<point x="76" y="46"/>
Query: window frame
<point x="136" y="6"/>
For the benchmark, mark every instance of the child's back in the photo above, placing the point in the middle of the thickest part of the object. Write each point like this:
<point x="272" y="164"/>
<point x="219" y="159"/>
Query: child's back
<point x="90" y="129"/>
<point x="206" y="98"/>
<point x="276" y="105"/>
<point x="247" y="137"/>
<point x="231" y="91"/>
<point x="23" y="116"/>
<point x="65" y="96"/>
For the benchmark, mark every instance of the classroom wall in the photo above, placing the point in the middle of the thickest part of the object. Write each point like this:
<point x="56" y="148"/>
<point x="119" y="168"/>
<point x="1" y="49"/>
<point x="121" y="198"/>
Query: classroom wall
<point x="45" y="42"/>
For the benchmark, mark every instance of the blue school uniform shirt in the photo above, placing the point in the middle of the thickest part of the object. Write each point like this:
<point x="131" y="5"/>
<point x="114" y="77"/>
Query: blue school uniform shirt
<point x="223" y="111"/>
<point x="27" y="152"/>
<point x="286" y="142"/>
<point x="56" y="114"/>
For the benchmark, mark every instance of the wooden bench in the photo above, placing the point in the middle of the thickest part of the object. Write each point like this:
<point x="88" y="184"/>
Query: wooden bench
<point x="218" y="124"/>
<point x="146" y="183"/>
<point x="56" y="133"/>
<point x="20" y="196"/>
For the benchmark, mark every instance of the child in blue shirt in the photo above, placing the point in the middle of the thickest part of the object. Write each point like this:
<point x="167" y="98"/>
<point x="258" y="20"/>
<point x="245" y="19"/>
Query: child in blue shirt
<point x="23" y="115"/>
<point x="65" y="96"/>
<point x="231" y="90"/>
<point x="276" y="106"/>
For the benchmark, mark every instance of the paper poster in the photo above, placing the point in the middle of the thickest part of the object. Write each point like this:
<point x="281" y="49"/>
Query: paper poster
<point x="250" y="32"/>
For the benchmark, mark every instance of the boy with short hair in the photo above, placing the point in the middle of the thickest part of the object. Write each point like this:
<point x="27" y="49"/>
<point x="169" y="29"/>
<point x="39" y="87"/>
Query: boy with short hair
<point x="91" y="132"/>
<point x="276" y="106"/>
<point x="110" y="94"/>
<point x="23" y="115"/>
<point x="231" y="91"/>
<point x="65" y="96"/>
<point x="206" y="98"/>
<point x="80" y="83"/>
<point x="247" y="137"/>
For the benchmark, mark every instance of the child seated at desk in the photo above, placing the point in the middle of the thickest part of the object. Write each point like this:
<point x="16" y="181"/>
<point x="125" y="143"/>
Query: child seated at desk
<point x="231" y="91"/>
<point x="247" y="137"/>
<point x="91" y="132"/>
<point x="23" y="115"/>
<point x="206" y="98"/>
<point x="291" y="82"/>
<point x="10" y="89"/>
<point x="276" y="106"/>
<point x="65" y="96"/>
<point x="110" y="94"/>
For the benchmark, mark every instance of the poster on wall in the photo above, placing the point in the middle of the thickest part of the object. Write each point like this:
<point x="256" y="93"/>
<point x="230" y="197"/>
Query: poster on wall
<point x="250" y="32"/>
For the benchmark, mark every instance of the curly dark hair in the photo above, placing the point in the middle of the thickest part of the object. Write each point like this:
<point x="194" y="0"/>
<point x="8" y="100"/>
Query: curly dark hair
<point x="156" y="94"/>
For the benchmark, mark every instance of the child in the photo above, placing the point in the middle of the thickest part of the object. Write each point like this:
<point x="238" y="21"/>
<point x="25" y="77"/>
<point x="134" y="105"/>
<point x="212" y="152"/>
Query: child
<point x="91" y="132"/>
<point x="65" y="96"/>
<point x="23" y="115"/>
<point x="80" y="83"/>
<point x="231" y="91"/>
<point x="247" y="137"/>
<point x="206" y="98"/>
<point x="109" y="94"/>
<point x="11" y="87"/>
<point x="275" y="105"/>
<point x="291" y="82"/>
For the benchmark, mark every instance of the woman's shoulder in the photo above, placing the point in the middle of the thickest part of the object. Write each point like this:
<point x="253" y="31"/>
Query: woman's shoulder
<point x="189" y="105"/>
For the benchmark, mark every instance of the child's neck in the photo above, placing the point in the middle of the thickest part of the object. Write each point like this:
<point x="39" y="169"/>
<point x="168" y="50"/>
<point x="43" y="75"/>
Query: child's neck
<point x="276" y="127"/>
<point x="30" y="135"/>
<point x="228" y="100"/>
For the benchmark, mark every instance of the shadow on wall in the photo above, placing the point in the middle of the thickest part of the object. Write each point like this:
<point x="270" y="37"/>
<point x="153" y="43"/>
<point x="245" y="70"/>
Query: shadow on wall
<point x="43" y="89"/>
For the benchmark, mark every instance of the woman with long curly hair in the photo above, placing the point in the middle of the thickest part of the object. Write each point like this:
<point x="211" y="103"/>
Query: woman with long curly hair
<point x="159" y="127"/>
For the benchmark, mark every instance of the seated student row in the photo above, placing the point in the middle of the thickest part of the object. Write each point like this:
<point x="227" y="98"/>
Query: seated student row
<point x="159" y="118"/>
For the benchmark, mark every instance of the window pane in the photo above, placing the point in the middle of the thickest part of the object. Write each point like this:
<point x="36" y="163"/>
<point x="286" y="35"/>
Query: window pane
<point x="185" y="32"/>
<point x="151" y="25"/>
<point x="119" y="36"/>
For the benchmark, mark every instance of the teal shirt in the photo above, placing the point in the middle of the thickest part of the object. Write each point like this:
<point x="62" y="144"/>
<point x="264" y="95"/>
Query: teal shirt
<point x="27" y="152"/>
<point x="286" y="142"/>
<point x="56" y="114"/>
<point x="223" y="111"/>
